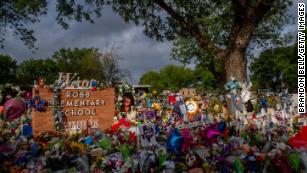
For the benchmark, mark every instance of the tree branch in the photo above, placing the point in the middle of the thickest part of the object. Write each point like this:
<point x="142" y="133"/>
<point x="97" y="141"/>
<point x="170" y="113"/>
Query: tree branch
<point x="204" y="41"/>
<point x="246" y="19"/>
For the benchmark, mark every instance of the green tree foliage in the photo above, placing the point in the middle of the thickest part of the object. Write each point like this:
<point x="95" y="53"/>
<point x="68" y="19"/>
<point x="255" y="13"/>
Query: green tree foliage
<point x="85" y="61"/>
<point x="7" y="69"/>
<point x="274" y="67"/>
<point x="152" y="78"/>
<point x="219" y="28"/>
<point x="16" y="14"/>
<point x="170" y="77"/>
<point x="89" y="63"/>
<point x="29" y="70"/>
<point x="205" y="80"/>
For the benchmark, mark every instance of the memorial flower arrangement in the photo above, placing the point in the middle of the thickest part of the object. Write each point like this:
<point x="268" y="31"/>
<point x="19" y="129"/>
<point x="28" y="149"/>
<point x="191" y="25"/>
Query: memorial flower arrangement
<point x="59" y="116"/>
<point x="37" y="104"/>
<point x="162" y="142"/>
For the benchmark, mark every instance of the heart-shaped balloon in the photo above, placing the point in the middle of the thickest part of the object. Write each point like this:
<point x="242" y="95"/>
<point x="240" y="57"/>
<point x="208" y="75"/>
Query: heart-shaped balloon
<point x="174" y="142"/>
<point x="13" y="109"/>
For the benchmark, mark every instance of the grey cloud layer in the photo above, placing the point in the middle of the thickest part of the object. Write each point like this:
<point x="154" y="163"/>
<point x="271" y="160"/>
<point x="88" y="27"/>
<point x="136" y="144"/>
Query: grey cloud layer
<point x="139" y="52"/>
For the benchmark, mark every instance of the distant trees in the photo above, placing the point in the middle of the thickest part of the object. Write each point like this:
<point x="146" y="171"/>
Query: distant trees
<point x="85" y="61"/>
<point x="7" y="69"/>
<point x="89" y="63"/>
<point x="275" y="67"/>
<point x="29" y="70"/>
<point x="172" y="77"/>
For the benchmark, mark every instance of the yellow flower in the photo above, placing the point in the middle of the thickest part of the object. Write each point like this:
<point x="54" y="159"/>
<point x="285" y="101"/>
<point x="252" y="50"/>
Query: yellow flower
<point x="78" y="146"/>
<point x="156" y="106"/>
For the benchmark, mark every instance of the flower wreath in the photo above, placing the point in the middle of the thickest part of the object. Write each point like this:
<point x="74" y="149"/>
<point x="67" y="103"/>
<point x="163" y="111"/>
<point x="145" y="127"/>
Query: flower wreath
<point x="37" y="103"/>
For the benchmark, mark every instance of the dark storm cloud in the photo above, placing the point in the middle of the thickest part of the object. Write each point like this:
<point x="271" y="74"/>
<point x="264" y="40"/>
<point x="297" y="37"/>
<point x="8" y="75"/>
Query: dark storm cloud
<point x="139" y="52"/>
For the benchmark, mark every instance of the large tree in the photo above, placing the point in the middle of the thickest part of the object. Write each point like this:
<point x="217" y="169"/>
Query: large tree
<point x="220" y="28"/>
<point x="85" y="61"/>
<point x="89" y="63"/>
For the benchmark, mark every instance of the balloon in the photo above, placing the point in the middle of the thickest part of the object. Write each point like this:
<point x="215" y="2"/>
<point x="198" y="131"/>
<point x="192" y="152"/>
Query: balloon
<point x="13" y="109"/>
<point x="88" y="140"/>
<point x="27" y="130"/>
<point x="187" y="139"/>
<point x="174" y="142"/>
<point x="221" y="126"/>
<point x="300" y="139"/>
<point x="211" y="132"/>
<point x="295" y="161"/>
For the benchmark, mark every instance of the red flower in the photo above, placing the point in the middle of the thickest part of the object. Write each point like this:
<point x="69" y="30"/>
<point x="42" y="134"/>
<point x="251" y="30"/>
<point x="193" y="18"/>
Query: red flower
<point x="226" y="133"/>
<point x="172" y="99"/>
<point x="120" y="123"/>
<point x="132" y="137"/>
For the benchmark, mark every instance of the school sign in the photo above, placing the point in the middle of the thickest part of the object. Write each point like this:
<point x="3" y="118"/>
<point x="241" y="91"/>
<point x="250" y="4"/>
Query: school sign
<point x="82" y="106"/>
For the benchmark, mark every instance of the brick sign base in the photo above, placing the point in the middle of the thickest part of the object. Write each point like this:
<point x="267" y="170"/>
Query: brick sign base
<point x="82" y="108"/>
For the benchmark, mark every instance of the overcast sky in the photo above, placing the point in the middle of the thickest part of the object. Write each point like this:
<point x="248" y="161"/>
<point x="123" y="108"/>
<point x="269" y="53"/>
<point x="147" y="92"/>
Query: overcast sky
<point x="139" y="52"/>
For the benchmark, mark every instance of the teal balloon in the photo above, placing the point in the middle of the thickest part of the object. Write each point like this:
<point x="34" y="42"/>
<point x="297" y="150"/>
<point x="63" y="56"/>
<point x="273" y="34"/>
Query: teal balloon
<point x="88" y="140"/>
<point x="174" y="142"/>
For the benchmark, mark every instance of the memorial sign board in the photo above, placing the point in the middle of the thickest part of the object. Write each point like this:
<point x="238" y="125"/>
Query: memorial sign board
<point x="82" y="107"/>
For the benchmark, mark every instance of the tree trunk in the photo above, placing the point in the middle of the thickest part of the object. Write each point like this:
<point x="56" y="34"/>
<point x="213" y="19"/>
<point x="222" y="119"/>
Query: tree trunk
<point x="235" y="60"/>
<point x="236" y="65"/>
